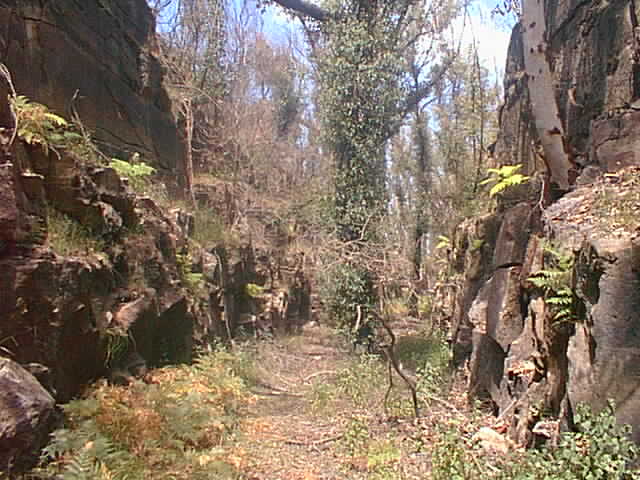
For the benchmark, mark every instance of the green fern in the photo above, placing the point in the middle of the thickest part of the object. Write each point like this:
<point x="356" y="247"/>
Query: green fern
<point x="555" y="282"/>
<point x="137" y="172"/>
<point x="503" y="178"/>
<point x="36" y="124"/>
<point x="192" y="281"/>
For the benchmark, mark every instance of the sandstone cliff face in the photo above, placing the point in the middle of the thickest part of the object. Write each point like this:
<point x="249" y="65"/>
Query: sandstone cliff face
<point x="65" y="311"/>
<point x="521" y="356"/>
<point x="102" y="54"/>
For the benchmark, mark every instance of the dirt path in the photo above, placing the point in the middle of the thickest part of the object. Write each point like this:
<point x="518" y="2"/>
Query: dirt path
<point x="283" y="436"/>
<point x="318" y="414"/>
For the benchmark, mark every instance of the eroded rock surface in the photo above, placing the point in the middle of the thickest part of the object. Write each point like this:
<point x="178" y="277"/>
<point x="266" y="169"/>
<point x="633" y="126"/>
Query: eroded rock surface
<point x="114" y="80"/>
<point x="26" y="415"/>
<point x="592" y="355"/>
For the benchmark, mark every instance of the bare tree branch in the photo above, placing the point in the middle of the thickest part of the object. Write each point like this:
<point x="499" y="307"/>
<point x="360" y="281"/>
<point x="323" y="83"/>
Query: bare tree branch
<point x="305" y="8"/>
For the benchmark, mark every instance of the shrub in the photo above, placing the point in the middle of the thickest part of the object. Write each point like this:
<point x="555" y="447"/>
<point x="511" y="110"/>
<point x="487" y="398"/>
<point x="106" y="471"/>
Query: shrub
<point x="345" y="288"/>
<point x="37" y="125"/>
<point x="555" y="281"/>
<point x="173" y="429"/>
<point x="503" y="178"/>
<point x="193" y="282"/>
<point x="138" y="173"/>
<point x="600" y="449"/>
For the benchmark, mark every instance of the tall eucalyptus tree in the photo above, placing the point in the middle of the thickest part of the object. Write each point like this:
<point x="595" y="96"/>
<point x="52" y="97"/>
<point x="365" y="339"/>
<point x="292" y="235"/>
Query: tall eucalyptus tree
<point x="368" y="85"/>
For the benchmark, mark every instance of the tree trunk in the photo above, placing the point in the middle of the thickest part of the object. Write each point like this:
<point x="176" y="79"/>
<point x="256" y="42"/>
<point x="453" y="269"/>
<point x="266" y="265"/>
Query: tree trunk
<point x="542" y="93"/>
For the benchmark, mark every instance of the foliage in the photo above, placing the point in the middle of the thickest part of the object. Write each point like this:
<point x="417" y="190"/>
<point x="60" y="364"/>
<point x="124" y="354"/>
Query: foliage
<point x="599" y="449"/>
<point x="360" y="87"/>
<point x="137" y="172"/>
<point x="171" y="429"/>
<point x="37" y="125"/>
<point x="425" y="305"/>
<point x="357" y="381"/>
<point x="443" y="242"/>
<point x="416" y="351"/>
<point x="451" y="459"/>
<point x="556" y="283"/>
<point x="503" y="178"/>
<point x="356" y="436"/>
<point x="253" y="290"/>
<point x="68" y="237"/>
<point x="192" y="281"/>
<point x="117" y="345"/>
<point x="345" y="288"/>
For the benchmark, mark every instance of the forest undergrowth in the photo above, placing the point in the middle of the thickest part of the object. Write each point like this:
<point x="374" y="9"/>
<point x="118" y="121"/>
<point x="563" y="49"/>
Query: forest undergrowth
<point x="307" y="407"/>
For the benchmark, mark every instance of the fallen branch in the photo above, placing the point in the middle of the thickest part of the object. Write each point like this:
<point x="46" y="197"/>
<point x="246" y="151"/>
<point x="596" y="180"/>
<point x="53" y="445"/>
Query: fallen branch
<point x="317" y="374"/>
<point x="443" y="402"/>
<point x="314" y="443"/>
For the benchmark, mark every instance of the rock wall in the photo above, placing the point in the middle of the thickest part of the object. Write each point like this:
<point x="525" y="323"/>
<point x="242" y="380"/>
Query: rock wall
<point x="522" y="358"/>
<point x="74" y="313"/>
<point x="100" y="58"/>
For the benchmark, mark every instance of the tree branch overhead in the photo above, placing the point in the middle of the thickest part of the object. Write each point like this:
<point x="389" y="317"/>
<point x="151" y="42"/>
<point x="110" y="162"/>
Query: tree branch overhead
<point x="305" y="8"/>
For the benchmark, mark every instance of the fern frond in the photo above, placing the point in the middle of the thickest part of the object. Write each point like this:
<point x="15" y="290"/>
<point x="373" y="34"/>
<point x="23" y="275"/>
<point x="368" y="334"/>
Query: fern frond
<point x="507" y="171"/>
<point x="497" y="188"/>
<point x="55" y="119"/>
<point x="559" y="300"/>
<point x="81" y="467"/>
<point x="443" y="242"/>
<point x="564" y="314"/>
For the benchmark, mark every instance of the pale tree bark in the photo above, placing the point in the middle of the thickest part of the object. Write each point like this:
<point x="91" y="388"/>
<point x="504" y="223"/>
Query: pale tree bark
<point x="187" y="111"/>
<point x="542" y="93"/>
<point x="305" y="8"/>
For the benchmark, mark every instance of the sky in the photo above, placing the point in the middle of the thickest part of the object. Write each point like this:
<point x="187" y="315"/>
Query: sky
<point x="492" y="34"/>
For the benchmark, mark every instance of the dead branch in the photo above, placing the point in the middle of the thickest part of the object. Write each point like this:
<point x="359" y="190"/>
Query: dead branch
<point x="314" y="443"/>
<point x="389" y="352"/>
<point x="304" y="8"/>
<point x="318" y="374"/>
<point x="388" y="392"/>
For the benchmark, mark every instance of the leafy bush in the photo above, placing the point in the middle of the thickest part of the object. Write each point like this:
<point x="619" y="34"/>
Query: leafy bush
<point x="208" y="227"/>
<point x="600" y="449"/>
<point x="194" y="282"/>
<point x="175" y="428"/>
<point x="253" y="290"/>
<point x="359" y="380"/>
<point x="37" y="125"/>
<point x="138" y="173"/>
<point x="345" y="288"/>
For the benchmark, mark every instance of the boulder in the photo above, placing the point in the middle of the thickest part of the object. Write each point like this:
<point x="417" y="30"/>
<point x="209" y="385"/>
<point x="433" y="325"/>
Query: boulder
<point x="26" y="417"/>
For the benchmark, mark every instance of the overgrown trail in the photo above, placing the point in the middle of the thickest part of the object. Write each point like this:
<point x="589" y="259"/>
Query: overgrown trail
<point x="318" y="414"/>
<point x="285" y="439"/>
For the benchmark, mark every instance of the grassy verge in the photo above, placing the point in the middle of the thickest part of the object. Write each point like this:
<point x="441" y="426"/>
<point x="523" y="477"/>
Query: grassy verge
<point x="68" y="237"/>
